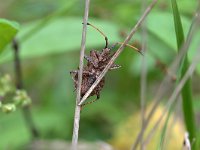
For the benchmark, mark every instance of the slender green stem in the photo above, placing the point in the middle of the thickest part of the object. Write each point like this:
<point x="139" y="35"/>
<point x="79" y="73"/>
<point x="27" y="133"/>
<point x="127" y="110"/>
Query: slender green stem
<point x="164" y="130"/>
<point x="19" y="85"/>
<point x="186" y="92"/>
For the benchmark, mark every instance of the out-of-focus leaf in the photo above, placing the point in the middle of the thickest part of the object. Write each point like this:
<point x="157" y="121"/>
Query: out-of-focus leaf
<point x="45" y="21"/>
<point x="63" y="35"/>
<point x="161" y="25"/>
<point x="10" y="138"/>
<point x="8" y="30"/>
<point x="186" y="92"/>
<point x="46" y="121"/>
<point x="187" y="7"/>
<point x="162" y="40"/>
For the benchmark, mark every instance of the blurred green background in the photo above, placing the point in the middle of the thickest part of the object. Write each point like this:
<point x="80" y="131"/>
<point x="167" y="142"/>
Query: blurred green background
<point x="50" y="37"/>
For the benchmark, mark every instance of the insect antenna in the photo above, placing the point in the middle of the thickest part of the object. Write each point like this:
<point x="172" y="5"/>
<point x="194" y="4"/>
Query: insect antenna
<point x="106" y="39"/>
<point x="128" y="45"/>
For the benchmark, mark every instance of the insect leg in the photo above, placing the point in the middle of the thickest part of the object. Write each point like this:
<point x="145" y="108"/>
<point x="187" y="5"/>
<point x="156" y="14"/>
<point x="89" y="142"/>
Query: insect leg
<point x="83" y="105"/>
<point x="73" y="74"/>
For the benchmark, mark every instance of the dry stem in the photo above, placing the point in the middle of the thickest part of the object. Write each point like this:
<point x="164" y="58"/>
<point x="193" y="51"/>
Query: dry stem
<point x="78" y="108"/>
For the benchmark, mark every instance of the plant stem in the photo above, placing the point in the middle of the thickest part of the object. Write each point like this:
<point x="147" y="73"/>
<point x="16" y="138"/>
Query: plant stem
<point x="78" y="97"/>
<point x="19" y="85"/>
<point x="186" y="91"/>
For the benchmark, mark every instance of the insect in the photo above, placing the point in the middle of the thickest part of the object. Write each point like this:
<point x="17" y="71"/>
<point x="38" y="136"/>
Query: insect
<point x="96" y="62"/>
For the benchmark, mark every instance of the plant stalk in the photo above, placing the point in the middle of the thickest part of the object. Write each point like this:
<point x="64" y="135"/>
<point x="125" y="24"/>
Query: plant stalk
<point x="78" y="96"/>
<point x="19" y="85"/>
<point x="186" y="93"/>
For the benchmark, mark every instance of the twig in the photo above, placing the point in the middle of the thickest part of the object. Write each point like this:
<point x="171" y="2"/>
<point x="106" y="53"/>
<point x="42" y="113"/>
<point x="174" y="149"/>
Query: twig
<point x="135" y="28"/>
<point x="167" y="80"/>
<point x="78" y="108"/>
<point x="19" y="85"/>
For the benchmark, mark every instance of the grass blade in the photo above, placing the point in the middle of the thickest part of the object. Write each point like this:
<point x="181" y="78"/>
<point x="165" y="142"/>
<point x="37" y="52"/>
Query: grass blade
<point x="186" y="92"/>
<point x="164" y="130"/>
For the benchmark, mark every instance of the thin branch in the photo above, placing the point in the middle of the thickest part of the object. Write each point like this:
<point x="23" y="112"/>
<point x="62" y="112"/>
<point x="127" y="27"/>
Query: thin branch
<point x="135" y="28"/>
<point x="78" y="96"/>
<point x="19" y="85"/>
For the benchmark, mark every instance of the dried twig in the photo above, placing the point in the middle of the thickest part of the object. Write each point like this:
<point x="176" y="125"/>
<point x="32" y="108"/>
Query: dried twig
<point x="78" y="108"/>
<point x="19" y="85"/>
<point x="135" y="28"/>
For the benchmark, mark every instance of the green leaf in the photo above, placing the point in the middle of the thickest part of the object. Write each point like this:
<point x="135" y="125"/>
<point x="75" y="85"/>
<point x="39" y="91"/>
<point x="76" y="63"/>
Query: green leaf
<point x="10" y="140"/>
<point x="45" y="21"/>
<point x="162" y="40"/>
<point x="8" y="30"/>
<point x="187" y="7"/>
<point x="187" y="103"/>
<point x="62" y="35"/>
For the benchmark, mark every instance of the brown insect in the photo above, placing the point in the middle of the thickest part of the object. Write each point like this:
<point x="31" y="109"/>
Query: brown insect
<point x="96" y="62"/>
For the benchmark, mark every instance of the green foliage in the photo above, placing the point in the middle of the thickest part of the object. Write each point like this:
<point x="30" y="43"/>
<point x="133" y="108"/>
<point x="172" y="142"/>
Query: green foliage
<point x="12" y="128"/>
<point x="6" y="85"/>
<point x="8" y="30"/>
<point x="49" y="41"/>
<point x="21" y="98"/>
<point x="42" y="23"/>
<point x="10" y="98"/>
<point x="162" y="40"/>
<point x="8" y="108"/>
<point x="164" y="130"/>
<point x="53" y="39"/>
<point x="186" y="91"/>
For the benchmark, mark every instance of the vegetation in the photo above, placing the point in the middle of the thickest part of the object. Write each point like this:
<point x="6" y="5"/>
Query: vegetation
<point x="40" y="44"/>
